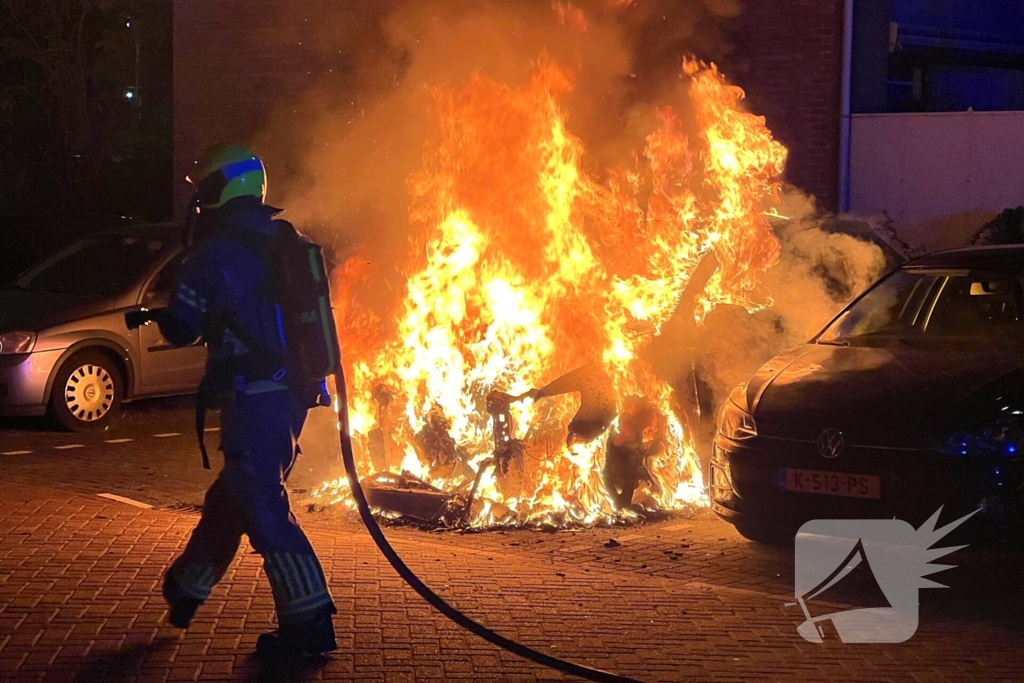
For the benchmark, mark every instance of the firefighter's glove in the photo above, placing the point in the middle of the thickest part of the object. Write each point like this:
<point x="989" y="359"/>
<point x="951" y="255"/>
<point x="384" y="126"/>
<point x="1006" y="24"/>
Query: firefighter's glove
<point x="135" y="319"/>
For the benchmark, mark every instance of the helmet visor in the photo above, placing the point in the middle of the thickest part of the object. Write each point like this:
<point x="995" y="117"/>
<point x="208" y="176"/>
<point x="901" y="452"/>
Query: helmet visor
<point x="211" y="188"/>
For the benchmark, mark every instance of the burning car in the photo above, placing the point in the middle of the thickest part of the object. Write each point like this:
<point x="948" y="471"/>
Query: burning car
<point x="909" y="400"/>
<point x="502" y="365"/>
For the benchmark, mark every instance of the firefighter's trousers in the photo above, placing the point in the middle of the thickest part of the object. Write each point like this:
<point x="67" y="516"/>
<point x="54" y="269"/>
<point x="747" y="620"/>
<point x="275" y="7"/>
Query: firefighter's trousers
<point x="259" y="434"/>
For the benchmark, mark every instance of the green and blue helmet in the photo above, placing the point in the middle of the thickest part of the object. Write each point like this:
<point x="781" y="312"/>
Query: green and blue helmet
<point x="226" y="172"/>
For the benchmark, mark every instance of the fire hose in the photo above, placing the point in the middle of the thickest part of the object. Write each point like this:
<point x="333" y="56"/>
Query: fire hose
<point x="421" y="588"/>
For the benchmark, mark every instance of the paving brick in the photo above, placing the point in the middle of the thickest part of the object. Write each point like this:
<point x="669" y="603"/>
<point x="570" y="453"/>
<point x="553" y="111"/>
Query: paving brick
<point x="682" y="599"/>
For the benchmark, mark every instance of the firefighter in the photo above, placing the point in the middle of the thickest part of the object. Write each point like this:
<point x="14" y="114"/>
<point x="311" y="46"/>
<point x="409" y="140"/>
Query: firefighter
<point x="222" y="296"/>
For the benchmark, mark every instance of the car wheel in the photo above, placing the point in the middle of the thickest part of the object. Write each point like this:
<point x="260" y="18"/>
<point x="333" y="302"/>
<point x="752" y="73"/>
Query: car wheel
<point x="87" y="392"/>
<point x="766" y="535"/>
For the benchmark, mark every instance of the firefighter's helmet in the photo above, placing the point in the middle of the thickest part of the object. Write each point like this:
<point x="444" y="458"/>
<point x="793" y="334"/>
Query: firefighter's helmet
<point x="226" y="172"/>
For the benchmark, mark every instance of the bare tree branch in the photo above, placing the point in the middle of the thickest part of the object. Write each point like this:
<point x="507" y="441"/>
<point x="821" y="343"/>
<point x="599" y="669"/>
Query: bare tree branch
<point x="56" y="38"/>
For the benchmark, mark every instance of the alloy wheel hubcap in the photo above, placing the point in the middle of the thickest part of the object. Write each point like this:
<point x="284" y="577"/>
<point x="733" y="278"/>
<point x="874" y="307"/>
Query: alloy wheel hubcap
<point x="89" y="393"/>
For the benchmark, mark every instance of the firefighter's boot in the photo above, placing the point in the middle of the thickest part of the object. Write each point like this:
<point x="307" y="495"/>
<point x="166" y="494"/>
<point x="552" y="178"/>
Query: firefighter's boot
<point x="182" y="606"/>
<point x="289" y="642"/>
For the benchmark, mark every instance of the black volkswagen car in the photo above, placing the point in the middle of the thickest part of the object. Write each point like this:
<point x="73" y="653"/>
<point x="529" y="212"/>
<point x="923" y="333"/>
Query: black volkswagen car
<point x="910" y="399"/>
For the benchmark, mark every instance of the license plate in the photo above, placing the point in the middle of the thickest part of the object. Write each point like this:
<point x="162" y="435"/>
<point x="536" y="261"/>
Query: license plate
<point x="834" y="483"/>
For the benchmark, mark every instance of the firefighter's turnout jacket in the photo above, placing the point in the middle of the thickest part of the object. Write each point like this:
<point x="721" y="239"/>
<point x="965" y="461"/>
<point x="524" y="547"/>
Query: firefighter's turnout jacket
<point x="223" y="295"/>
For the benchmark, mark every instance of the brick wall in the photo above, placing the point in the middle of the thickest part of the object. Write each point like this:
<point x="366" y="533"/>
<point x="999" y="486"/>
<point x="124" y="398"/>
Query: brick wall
<point x="789" y="60"/>
<point x="235" y="60"/>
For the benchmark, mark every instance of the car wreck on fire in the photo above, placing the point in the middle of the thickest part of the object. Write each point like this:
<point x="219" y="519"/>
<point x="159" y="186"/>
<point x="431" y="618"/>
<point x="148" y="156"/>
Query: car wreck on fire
<point x="911" y="399"/>
<point x="626" y="452"/>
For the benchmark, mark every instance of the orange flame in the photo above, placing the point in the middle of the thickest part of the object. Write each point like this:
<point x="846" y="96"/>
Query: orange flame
<point x="570" y="16"/>
<point x="524" y="266"/>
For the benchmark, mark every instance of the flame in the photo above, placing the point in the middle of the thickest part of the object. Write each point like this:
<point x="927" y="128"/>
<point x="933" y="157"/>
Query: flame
<point x="570" y="16"/>
<point x="523" y="266"/>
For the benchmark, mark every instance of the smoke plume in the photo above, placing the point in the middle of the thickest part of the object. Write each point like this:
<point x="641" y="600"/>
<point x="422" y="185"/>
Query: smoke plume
<point x="341" y="154"/>
<point x="345" y="148"/>
<point x="818" y="272"/>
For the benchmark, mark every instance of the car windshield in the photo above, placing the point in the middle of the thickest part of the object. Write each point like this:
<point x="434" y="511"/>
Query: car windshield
<point x="100" y="266"/>
<point x="932" y="305"/>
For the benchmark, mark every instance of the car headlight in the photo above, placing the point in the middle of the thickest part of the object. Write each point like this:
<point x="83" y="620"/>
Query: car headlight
<point x="734" y="422"/>
<point x="997" y="441"/>
<point x="17" y="342"/>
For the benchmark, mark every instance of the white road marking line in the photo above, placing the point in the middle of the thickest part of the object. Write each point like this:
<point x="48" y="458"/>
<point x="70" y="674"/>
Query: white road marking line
<point x="17" y="453"/>
<point x="167" y="435"/>
<point x="126" y="501"/>
<point x="69" y="446"/>
<point x="763" y="594"/>
<point x="118" y="440"/>
<point x="212" y="429"/>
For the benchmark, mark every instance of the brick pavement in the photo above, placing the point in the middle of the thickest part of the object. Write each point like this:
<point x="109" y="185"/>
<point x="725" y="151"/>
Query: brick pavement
<point x="79" y="600"/>
<point x="154" y="457"/>
<point x="697" y="548"/>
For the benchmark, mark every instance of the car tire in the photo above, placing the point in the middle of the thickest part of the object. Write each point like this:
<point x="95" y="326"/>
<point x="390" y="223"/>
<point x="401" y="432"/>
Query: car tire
<point x="87" y="392"/>
<point x="766" y="535"/>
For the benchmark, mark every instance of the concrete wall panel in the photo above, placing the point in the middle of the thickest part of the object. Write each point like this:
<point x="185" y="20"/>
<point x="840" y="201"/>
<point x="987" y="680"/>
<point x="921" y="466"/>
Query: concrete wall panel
<point x="939" y="177"/>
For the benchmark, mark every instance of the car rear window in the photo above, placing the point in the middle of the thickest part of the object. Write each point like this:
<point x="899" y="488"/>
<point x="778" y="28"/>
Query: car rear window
<point x="100" y="266"/>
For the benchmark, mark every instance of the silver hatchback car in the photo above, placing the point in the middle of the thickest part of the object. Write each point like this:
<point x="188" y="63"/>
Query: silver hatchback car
<point x="64" y="346"/>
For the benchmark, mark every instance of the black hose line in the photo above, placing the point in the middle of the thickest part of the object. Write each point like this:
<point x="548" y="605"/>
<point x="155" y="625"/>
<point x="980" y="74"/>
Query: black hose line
<point x="424" y="591"/>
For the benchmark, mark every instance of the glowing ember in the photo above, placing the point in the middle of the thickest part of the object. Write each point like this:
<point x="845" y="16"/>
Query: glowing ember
<point x="524" y="267"/>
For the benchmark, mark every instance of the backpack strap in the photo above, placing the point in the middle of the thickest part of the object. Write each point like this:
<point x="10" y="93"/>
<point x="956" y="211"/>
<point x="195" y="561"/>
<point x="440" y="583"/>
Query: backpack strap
<point x="202" y="403"/>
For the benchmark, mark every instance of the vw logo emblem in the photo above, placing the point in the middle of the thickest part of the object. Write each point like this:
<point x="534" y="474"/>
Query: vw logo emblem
<point x="831" y="443"/>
